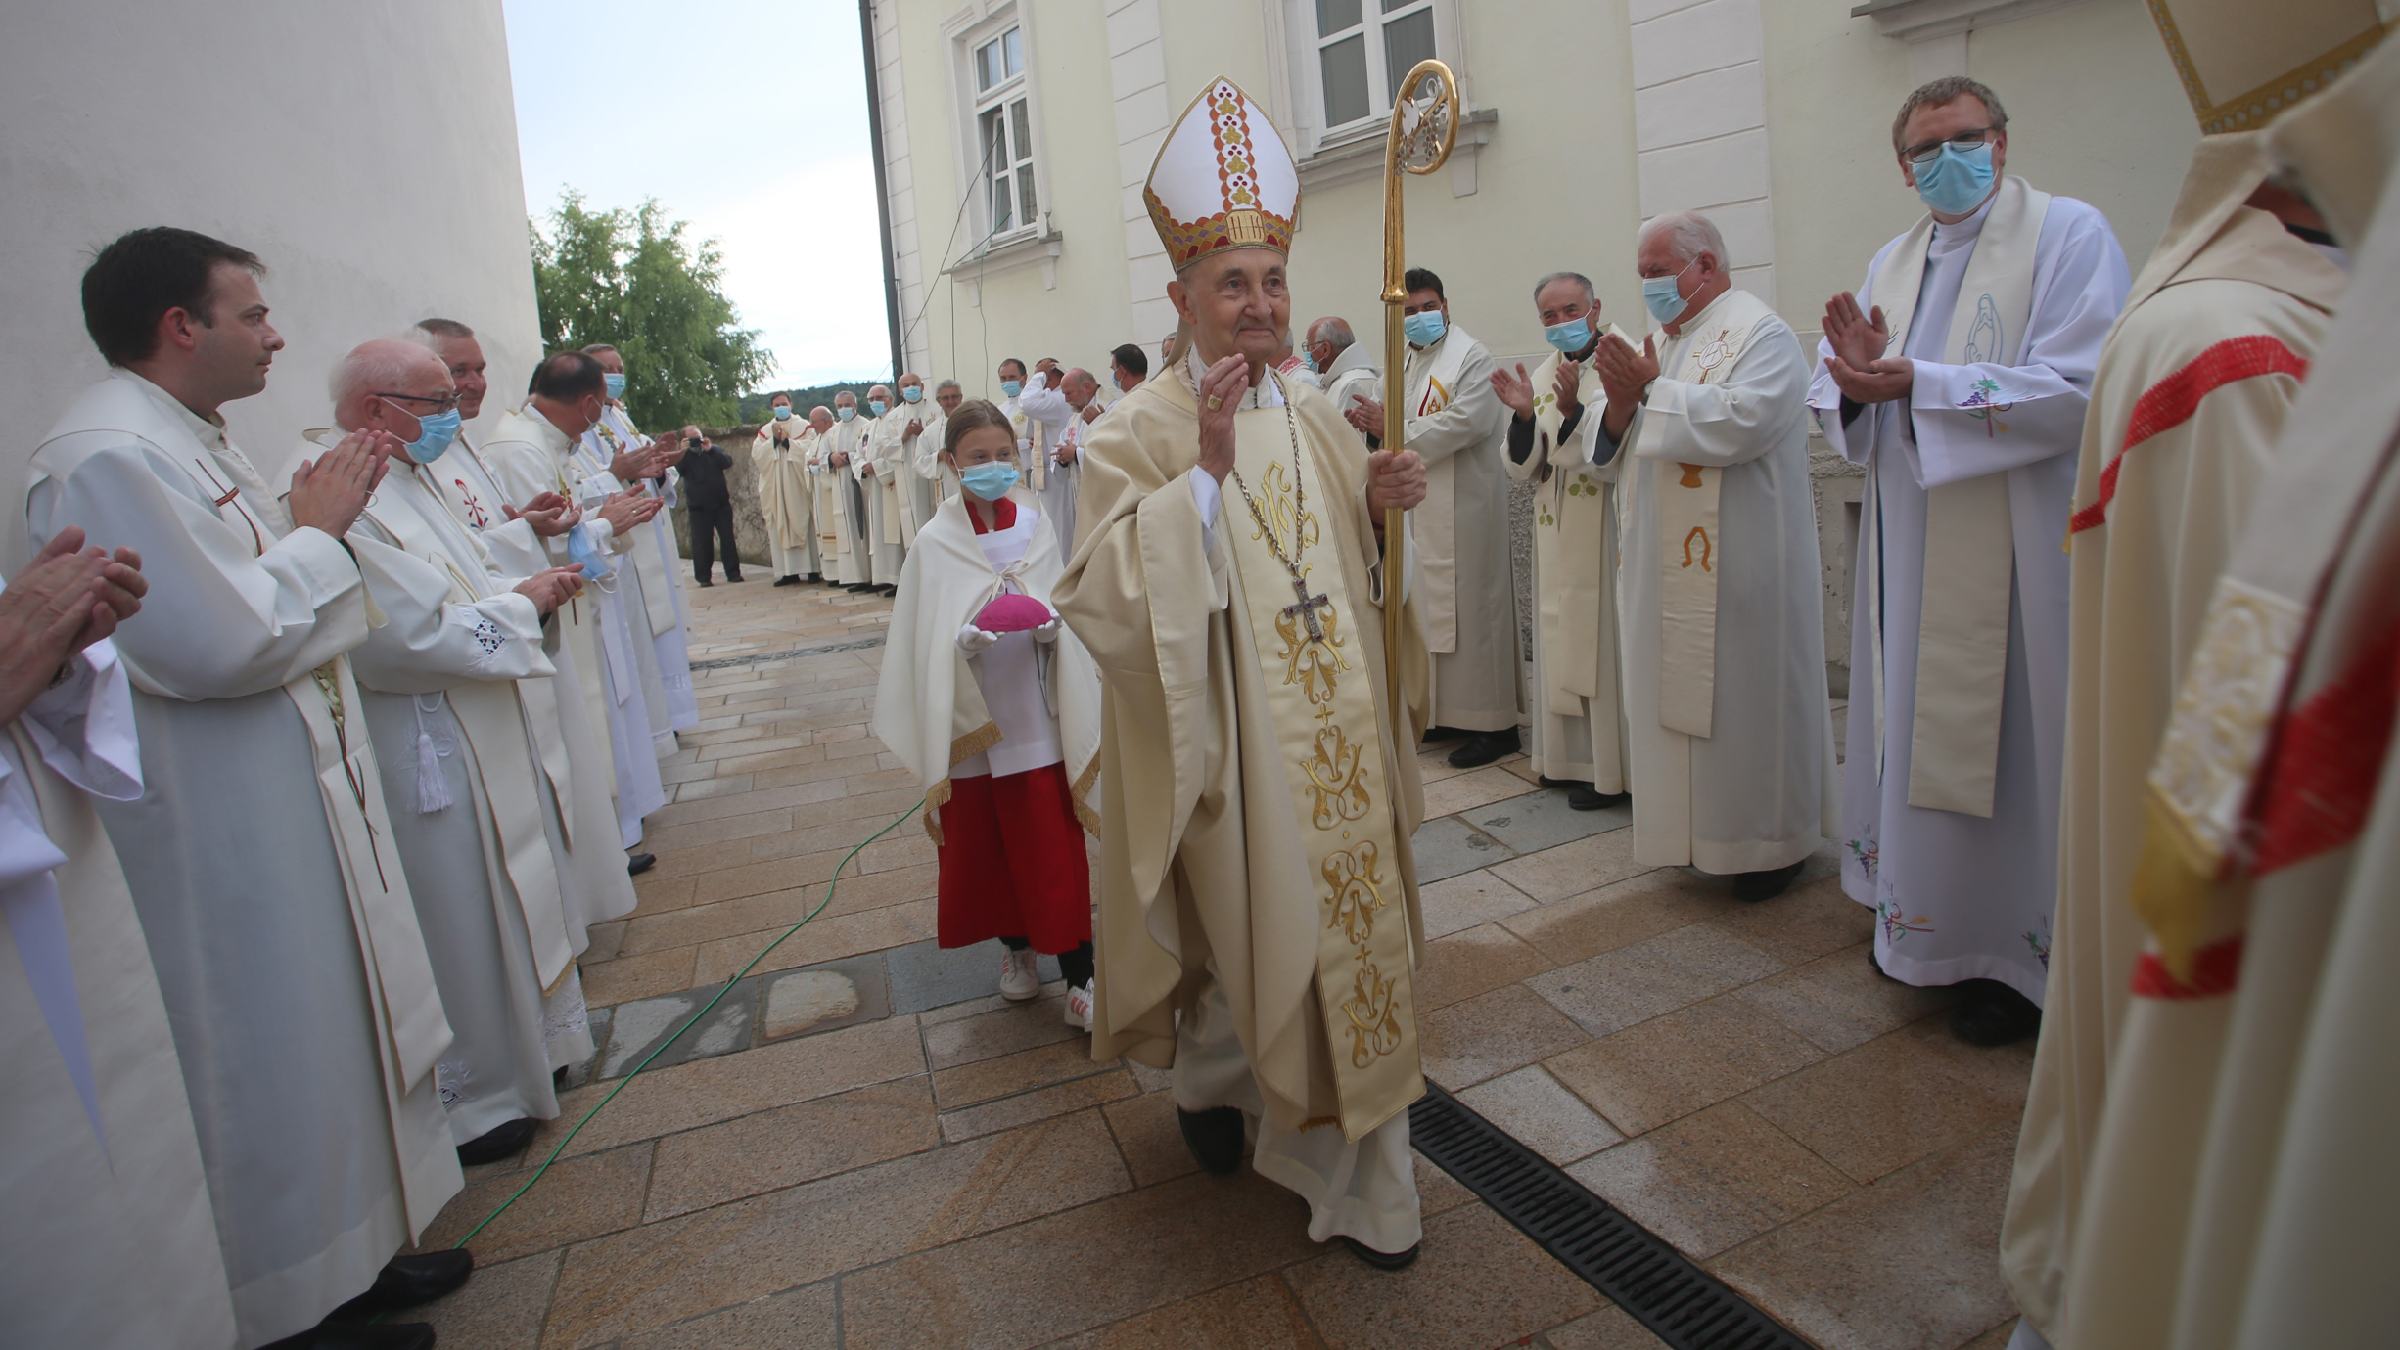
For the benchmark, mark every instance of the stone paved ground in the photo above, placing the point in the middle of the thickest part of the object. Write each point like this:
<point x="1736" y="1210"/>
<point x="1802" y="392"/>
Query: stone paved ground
<point x="862" y="1147"/>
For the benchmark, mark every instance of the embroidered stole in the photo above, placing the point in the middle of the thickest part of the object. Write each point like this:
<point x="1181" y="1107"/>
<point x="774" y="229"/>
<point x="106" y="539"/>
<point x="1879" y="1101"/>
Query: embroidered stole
<point x="1433" y="382"/>
<point x="1571" y="517"/>
<point x="1690" y="548"/>
<point x="1324" y="715"/>
<point x="1970" y="550"/>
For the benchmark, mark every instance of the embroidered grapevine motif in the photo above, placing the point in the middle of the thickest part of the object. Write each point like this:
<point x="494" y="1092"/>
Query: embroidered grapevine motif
<point x="2038" y="939"/>
<point x="1868" y="853"/>
<point x="1980" y="405"/>
<point x="1897" y="925"/>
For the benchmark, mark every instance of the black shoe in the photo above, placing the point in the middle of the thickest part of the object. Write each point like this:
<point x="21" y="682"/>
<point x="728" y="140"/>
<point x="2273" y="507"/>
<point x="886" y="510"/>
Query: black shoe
<point x="731" y="579"/>
<point x="398" y="1336"/>
<point x="787" y="581"/>
<point x="1560" y="784"/>
<point x="1990" y="1013"/>
<point x="888" y="590"/>
<point x="408" y="1281"/>
<point x="1214" y="1136"/>
<point x="1382" y="1260"/>
<point x="1437" y="735"/>
<point x="1583" y="798"/>
<point x="705" y="583"/>
<point x="500" y="1141"/>
<point x="1485" y="747"/>
<point x="638" y="863"/>
<point x="1752" y="887"/>
<point x="859" y="587"/>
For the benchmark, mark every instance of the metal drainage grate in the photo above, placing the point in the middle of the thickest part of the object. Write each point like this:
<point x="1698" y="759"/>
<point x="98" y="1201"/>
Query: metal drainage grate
<point x="1684" y="1305"/>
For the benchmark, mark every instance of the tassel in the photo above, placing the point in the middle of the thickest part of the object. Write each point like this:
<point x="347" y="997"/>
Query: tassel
<point x="433" y="790"/>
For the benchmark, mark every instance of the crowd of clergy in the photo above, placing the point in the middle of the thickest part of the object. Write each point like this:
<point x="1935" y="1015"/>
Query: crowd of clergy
<point x="2132" y="796"/>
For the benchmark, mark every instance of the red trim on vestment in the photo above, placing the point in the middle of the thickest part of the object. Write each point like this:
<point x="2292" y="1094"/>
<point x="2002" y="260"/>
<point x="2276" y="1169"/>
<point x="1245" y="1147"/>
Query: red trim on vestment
<point x="2172" y="401"/>
<point x="2328" y="757"/>
<point x="1004" y="511"/>
<point x="2216" y="969"/>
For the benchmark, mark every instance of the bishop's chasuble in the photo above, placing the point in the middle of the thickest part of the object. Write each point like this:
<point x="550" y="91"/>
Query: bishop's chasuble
<point x="1959" y="619"/>
<point x="1578" y="704"/>
<point x="1248" y="758"/>
<point x="786" y="496"/>
<point x="1459" y="427"/>
<point x="296" y="980"/>
<point x="2188" y="407"/>
<point x="1722" y="611"/>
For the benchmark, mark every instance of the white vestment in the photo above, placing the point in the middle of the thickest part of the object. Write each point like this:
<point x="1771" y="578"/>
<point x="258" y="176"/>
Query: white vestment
<point x="528" y="456"/>
<point x="594" y="883"/>
<point x="625" y="601"/>
<point x="1960" y="896"/>
<point x="296" y="980"/>
<point x="877" y="468"/>
<point x="1720" y="601"/>
<point x="454" y="682"/>
<point x="99" y="1166"/>
<point x="925" y="457"/>
<point x="1353" y="377"/>
<point x="1040" y="415"/>
<point x="786" y="496"/>
<point x="655" y="561"/>
<point x="920" y="492"/>
<point x="1459" y="427"/>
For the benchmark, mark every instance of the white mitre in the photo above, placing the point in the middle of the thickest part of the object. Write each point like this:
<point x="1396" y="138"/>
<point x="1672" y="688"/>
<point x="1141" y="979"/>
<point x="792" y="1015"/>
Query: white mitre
<point x="1223" y="179"/>
<point x="2244" y="62"/>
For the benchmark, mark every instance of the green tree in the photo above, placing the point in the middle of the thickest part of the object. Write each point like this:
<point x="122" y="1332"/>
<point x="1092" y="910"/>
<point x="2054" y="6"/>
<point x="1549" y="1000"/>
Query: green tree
<point x="630" y="278"/>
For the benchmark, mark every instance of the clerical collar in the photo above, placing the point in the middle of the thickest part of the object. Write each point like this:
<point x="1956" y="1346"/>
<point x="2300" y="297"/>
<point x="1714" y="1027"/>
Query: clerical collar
<point x="1268" y="394"/>
<point x="209" y="430"/>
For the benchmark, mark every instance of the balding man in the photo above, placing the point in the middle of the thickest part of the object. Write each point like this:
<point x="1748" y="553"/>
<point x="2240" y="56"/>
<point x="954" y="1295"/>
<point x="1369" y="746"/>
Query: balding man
<point x="878" y="468"/>
<point x="1082" y="394"/>
<point x="458" y="700"/>
<point x="1704" y="428"/>
<point x="466" y="482"/>
<point x="1346" y="368"/>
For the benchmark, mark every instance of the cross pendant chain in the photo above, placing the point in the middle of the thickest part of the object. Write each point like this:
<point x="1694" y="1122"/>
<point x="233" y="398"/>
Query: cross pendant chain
<point x="1306" y="610"/>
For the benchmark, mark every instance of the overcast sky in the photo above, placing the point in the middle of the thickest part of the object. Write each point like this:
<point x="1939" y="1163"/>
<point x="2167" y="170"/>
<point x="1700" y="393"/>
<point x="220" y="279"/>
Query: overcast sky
<point x="747" y="118"/>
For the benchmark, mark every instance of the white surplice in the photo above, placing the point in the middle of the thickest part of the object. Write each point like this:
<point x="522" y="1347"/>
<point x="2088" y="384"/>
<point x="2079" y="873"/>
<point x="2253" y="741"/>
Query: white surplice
<point x="850" y="506"/>
<point x="454" y="681"/>
<point x="260" y="857"/>
<point x="626" y="604"/>
<point x="1757" y="792"/>
<point x="1960" y="897"/>
<point x="527" y="456"/>
<point x="878" y="469"/>
<point x="594" y="882"/>
<point x="1459" y="427"/>
<point x="655" y="558"/>
<point x="1047" y="420"/>
<point x="99" y="1164"/>
<point x="925" y="458"/>
<point x="920" y="493"/>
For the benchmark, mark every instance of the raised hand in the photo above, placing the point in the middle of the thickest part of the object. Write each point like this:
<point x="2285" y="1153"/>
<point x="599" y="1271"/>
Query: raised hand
<point x="1221" y="389"/>
<point x="65" y="601"/>
<point x="1858" y="339"/>
<point x="1366" y="414"/>
<point x="1566" y="386"/>
<point x="329" y="492"/>
<point x="1624" y="373"/>
<point x="1514" y="390"/>
<point x="550" y="515"/>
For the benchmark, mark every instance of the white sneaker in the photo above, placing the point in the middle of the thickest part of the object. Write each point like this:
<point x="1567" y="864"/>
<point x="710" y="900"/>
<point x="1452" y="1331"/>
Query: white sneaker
<point x="1079" y="1006"/>
<point x="1020" y="981"/>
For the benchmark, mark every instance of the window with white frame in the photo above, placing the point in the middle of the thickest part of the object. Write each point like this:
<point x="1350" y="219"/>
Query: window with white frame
<point x="1361" y="49"/>
<point x="1003" y="134"/>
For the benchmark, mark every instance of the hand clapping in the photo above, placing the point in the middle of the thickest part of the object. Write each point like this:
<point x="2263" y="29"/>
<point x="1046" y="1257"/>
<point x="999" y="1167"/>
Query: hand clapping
<point x="1858" y="364"/>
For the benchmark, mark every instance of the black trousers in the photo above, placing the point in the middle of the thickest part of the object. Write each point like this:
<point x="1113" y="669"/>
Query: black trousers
<point x="710" y="526"/>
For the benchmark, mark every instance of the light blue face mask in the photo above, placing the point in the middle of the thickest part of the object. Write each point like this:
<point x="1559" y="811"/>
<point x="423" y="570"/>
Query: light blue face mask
<point x="1309" y="359"/>
<point x="783" y="412"/>
<point x="1570" y="337"/>
<point x="990" y="481"/>
<point x="1663" y="296"/>
<point x="1957" y="181"/>
<point x="1425" y="327"/>
<point x="1011" y="388"/>
<point x="876" y="407"/>
<point x="616" y="385"/>
<point x="435" y="434"/>
<point x="587" y="555"/>
<point x="910" y="393"/>
<point x="844" y="414"/>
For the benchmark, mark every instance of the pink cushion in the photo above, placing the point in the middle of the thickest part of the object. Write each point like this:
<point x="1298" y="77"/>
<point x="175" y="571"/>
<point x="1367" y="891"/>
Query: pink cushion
<point x="1011" y="613"/>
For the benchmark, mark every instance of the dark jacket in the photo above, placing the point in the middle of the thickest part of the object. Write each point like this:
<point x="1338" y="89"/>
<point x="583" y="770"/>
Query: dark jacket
<point x="703" y="473"/>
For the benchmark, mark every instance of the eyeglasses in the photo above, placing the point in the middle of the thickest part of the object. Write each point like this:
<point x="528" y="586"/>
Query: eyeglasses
<point x="1929" y="151"/>
<point x="442" y="403"/>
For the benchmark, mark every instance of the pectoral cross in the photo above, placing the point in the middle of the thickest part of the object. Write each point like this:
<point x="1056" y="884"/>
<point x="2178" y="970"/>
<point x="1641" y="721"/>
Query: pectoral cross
<point x="1306" y="610"/>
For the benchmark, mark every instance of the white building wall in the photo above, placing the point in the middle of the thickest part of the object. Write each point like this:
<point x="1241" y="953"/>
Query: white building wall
<point x="303" y="131"/>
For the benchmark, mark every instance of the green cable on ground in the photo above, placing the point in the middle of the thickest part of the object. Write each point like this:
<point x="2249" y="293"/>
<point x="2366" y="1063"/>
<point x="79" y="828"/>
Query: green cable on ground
<point x="831" y="885"/>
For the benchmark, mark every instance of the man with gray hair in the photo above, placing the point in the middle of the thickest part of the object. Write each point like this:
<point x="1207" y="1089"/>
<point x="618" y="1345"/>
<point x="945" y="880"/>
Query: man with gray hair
<point x="926" y="458"/>
<point x="1705" y="430"/>
<point x="1345" y="366"/>
<point x="1959" y="375"/>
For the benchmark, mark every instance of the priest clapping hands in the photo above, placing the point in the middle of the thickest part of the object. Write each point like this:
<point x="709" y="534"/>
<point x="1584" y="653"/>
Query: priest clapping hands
<point x="625" y="510"/>
<point x="1625" y="376"/>
<point x="67" y="600"/>
<point x="631" y="466"/>
<point x="329" y="491"/>
<point x="548" y="515"/>
<point x="1858" y="365"/>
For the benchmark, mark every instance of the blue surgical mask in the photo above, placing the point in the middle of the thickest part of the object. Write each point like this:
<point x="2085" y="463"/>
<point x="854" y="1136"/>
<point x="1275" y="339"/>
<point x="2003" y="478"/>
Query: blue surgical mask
<point x="1309" y="359"/>
<point x="844" y="414"/>
<point x="783" y="412"/>
<point x="587" y="555"/>
<point x="1957" y="181"/>
<point x="434" y="435"/>
<point x="616" y="385"/>
<point x="910" y="393"/>
<point x="1663" y="296"/>
<point x="1011" y="388"/>
<point x="1570" y="337"/>
<point x="875" y="407"/>
<point x="1425" y="327"/>
<point x="990" y="481"/>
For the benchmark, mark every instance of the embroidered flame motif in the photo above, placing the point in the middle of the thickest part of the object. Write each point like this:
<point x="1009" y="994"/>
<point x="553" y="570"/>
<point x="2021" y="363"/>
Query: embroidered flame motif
<point x="1373" y="1013"/>
<point x="1336" y="780"/>
<point x="1699" y="533"/>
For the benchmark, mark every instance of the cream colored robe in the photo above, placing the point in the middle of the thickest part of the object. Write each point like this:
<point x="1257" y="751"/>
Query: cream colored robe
<point x="1579" y="731"/>
<point x="260" y="858"/>
<point x="2242" y="1187"/>
<point x="850" y="438"/>
<point x="104" y="1192"/>
<point x="786" y="497"/>
<point x="2220" y="325"/>
<point x="1202" y="847"/>
<point x="1459" y="427"/>
<point x="879" y="451"/>
<point x="660" y="621"/>
<point x="920" y="494"/>
<point x="1757" y="791"/>
<point x="832" y="502"/>
<point x="925" y="457"/>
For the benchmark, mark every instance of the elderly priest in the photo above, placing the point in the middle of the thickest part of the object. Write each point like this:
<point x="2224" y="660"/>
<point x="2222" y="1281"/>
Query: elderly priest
<point x="1259" y="924"/>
